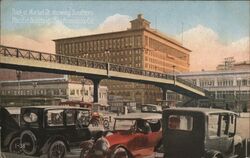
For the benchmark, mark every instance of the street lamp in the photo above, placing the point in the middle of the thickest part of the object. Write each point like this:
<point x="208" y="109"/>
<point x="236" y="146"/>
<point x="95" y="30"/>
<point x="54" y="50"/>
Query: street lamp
<point x="34" y="86"/>
<point x="174" y="73"/>
<point x="18" y="75"/>
<point x="107" y="52"/>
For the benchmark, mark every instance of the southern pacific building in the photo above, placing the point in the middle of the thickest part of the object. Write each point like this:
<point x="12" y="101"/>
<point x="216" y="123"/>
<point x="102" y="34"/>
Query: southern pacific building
<point x="140" y="46"/>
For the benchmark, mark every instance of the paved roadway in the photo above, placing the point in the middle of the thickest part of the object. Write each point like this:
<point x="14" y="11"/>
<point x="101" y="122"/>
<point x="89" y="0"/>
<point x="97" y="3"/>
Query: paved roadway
<point x="73" y="154"/>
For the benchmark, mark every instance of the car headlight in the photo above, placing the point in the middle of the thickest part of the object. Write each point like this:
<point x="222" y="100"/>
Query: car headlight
<point x="101" y="146"/>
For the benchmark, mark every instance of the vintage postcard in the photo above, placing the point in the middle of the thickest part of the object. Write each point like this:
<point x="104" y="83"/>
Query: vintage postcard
<point x="124" y="79"/>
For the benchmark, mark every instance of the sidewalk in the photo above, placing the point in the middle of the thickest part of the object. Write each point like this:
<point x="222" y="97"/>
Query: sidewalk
<point x="75" y="153"/>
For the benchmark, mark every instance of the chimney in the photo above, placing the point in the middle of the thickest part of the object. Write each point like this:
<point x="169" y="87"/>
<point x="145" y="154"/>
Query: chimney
<point x="139" y="22"/>
<point x="140" y="16"/>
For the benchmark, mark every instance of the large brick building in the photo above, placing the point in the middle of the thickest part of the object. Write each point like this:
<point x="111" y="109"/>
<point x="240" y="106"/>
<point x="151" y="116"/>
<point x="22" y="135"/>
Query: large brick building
<point x="140" y="46"/>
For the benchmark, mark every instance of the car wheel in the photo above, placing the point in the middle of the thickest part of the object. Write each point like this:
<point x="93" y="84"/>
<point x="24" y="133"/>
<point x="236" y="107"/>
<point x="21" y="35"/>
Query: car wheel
<point x="217" y="156"/>
<point x="94" y="122"/>
<point x="84" y="153"/>
<point x="106" y="124"/>
<point x="120" y="153"/>
<point x="15" y="146"/>
<point x="28" y="142"/>
<point x="57" y="149"/>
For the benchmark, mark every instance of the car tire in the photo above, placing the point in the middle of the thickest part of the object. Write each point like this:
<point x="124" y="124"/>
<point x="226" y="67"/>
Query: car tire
<point x="15" y="146"/>
<point x="57" y="149"/>
<point x="29" y="142"/>
<point x="94" y="122"/>
<point x="106" y="124"/>
<point x="84" y="153"/>
<point x="217" y="156"/>
<point x="120" y="153"/>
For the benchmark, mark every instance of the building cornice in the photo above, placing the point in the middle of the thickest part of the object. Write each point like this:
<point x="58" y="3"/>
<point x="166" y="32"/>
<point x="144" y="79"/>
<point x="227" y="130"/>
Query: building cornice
<point x="212" y="73"/>
<point x="158" y="34"/>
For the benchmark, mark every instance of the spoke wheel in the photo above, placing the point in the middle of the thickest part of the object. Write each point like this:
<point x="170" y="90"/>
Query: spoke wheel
<point x="84" y="153"/>
<point x="15" y="146"/>
<point x="120" y="153"/>
<point x="28" y="142"/>
<point x="57" y="150"/>
<point x="106" y="124"/>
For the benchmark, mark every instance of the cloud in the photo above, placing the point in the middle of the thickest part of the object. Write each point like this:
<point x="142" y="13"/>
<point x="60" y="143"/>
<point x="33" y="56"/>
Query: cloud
<point x="39" y="37"/>
<point x="116" y="22"/>
<point x="208" y="51"/>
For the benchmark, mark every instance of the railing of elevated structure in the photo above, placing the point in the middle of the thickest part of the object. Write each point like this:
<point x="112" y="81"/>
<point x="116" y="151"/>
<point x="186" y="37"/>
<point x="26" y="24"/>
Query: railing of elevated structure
<point x="70" y="60"/>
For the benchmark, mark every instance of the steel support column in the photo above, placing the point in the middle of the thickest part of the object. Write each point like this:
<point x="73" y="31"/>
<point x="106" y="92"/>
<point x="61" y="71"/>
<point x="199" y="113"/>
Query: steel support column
<point x="96" y="83"/>
<point x="164" y="94"/>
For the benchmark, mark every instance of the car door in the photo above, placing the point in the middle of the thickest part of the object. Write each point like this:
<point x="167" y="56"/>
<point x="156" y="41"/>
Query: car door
<point x="141" y="139"/>
<point x="213" y="134"/>
<point x="155" y="135"/>
<point x="140" y="144"/>
<point x="227" y="130"/>
<point x="82" y="122"/>
<point x="70" y="121"/>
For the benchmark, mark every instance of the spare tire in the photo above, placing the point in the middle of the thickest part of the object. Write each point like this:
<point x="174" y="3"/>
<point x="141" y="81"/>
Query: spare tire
<point x="29" y="142"/>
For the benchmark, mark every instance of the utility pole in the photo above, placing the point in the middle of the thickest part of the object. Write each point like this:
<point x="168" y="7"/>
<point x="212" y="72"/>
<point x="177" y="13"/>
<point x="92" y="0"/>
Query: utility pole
<point x="174" y="78"/>
<point x="182" y="33"/>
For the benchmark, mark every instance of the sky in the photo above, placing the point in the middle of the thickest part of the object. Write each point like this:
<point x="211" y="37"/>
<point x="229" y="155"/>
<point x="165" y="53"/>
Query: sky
<point x="213" y="30"/>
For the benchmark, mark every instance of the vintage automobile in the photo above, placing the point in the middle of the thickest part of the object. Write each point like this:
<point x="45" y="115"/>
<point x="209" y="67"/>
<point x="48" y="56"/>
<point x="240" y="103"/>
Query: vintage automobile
<point x="53" y="130"/>
<point x="200" y="133"/>
<point x="99" y="112"/>
<point x="76" y="103"/>
<point x="151" y="108"/>
<point x="133" y="135"/>
<point x="10" y="140"/>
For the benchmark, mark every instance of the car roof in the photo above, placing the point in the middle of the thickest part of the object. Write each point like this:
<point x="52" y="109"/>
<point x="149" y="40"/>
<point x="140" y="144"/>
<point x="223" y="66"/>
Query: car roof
<point x="135" y="116"/>
<point x="206" y="111"/>
<point x="49" y="107"/>
<point x="13" y="110"/>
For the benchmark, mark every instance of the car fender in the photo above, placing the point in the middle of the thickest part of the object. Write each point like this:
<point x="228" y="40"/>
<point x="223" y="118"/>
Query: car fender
<point x="212" y="154"/>
<point x="46" y="145"/>
<point x="88" y="144"/>
<point x="9" y="138"/>
<point x="237" y="140"/>
<point x="114" y="147"/>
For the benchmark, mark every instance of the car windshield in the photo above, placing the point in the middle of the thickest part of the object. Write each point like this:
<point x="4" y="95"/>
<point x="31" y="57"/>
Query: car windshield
<point x="124" y="124"/>
<point x="30" y="117"/>
<point x="55" y="117"/>
<point x="150" y="108"/>
<point x="180" y="122"/>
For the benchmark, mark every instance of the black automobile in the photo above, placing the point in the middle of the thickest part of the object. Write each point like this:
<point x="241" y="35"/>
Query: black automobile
<point x="53" y="130"/>
<point x="10" y="140"/>
<point x="200" y="133"/>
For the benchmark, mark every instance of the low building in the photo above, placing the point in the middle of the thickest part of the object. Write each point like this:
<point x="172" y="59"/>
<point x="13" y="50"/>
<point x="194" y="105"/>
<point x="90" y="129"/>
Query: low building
<point x="48" y="91"/>
<point x="229" y="88"/>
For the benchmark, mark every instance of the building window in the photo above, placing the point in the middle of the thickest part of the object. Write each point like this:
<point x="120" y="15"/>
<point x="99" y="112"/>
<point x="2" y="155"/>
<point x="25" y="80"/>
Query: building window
<point x="72" y="92"/>
<point x="86" y="92"/>
<point x="56" y="91"/>
<point x="63" y="91"/>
